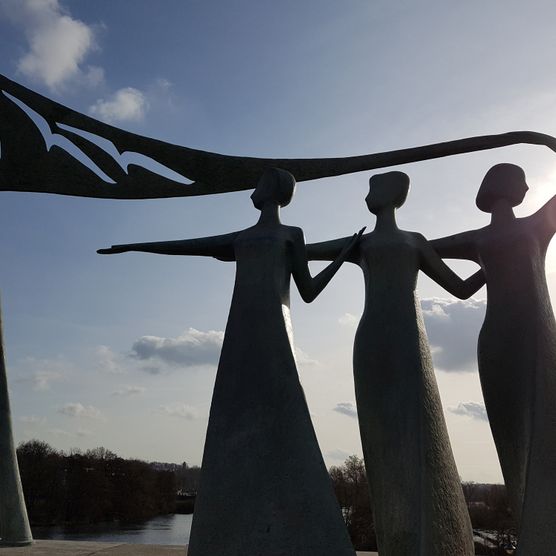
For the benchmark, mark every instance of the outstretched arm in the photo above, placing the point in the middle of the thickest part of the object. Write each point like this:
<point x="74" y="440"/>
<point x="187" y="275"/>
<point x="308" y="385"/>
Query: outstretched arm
<point x="329" y="250"/>
<point x="220" y="247"/>
<point x="310" y="287"/>
<point x="434" y="267"/>
<point x="547" y="218"/>
<point x="458" y="246"/>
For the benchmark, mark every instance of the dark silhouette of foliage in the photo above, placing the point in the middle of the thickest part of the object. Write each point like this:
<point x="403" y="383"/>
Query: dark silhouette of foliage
<point x="488" y="506"/>
<point x="352" y="491"/>
<point x="98" y="486"/>
<point x="91" y="487"/>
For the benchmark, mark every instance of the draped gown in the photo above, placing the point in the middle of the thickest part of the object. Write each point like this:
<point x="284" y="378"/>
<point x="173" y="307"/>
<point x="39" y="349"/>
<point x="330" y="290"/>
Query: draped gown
<point x="416" y="492"/>
<point x="517" y="365"/>
<point x="264" y="490"/>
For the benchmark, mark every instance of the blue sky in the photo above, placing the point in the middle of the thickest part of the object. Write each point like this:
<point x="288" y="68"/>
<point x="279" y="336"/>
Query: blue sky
<point x="121" y="351"/>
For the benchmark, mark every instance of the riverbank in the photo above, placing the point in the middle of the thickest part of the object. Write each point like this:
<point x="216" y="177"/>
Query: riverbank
<point x="73" y="548"/>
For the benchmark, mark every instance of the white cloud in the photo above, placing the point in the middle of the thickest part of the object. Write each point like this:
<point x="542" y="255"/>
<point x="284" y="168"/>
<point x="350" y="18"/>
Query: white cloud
<point x="125" y="105"/>
<point x="178" y="410"/>
<point x="94" y="76"/>
<point x="453" y="328"/>
<point x="108" y="361"/>
<point x="192" y="348"/>
<point x="60" y="432"/>
<point x="304" y="358"/>
<point x="349" y="320"/>
<point x="129" y="391"/>
<point x="79" y="410"/>
<point x="474" y="410"/>
<point x="346" y="408"/>
<point x="57" y="43"/>
<point x="80" y="432"/>
<point x="40" y="374"/>
<point x="337" y="454"/>
<point x="32" y="420"/>
<point x="40" y="380"/>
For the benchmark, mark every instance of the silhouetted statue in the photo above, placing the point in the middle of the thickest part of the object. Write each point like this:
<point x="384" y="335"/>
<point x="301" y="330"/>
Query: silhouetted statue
<point x="264" y="487"/>
<point x="517" y="348"/>
<point x="418" y="503"/>
<point x="14" y="524"/>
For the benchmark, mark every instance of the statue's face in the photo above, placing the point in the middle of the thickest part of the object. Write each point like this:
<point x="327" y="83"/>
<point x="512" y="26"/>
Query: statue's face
<point x="275" y="187"/>
<point x="387" y="190"/>
<point x="503" y="182"/>
<point x="266" y="190"/>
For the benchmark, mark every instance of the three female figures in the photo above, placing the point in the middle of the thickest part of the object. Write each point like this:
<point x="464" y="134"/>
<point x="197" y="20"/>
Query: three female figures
<point x="264" y="487"/>
<point x="261" y="449"/>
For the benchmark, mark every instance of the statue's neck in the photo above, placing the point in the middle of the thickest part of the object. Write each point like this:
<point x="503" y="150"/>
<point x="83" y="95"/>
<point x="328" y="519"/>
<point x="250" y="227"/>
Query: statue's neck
<point x="270" y="215"/>
<point x="502" y="213"/>
<point x="386" y="220"/>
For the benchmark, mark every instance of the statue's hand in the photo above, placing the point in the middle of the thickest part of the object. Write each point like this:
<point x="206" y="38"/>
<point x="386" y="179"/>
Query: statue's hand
<point x="352" y="243"/>
<point x="551" y="143"/>
<point x="112" y="250"/>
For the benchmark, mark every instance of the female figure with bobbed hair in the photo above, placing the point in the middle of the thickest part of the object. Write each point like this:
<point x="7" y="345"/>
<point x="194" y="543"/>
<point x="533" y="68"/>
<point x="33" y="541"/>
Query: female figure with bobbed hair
<point x="264" y="487"/>
<point x="517" y="348"/>
<point x="418" y="503"/>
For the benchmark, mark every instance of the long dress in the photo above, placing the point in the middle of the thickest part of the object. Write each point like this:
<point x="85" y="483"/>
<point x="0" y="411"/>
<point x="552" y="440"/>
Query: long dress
<point x="418" y="503"/>
<point x="264" y="490"/>
<point x="517" y="366"/>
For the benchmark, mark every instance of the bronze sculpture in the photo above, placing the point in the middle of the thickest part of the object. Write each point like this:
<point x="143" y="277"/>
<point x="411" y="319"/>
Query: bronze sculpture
<point x="47" y="147"/>
<point x="517" y="348"/>
<point x="14" y="523"/>
<point x="264" y="486"/>
<point x="417" y="499"/>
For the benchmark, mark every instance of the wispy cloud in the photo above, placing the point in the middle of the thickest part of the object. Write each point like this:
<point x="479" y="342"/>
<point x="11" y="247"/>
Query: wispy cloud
<point x="337" y="454"/>
<point x="108" y="361"/>
<point x="346" y="408"/>
<point x="40" y="380"/>
<point x="82" y="433"/>
<point x="127" y="391"/>
<point x="304" y="358"/>
<point x="178" y="410"/>
<point x="79" y="411"/>
<point x="60" y="432"/>
<point x="474" y="410"/>
<point x="348" y="320"/>
<point x="32" y="420"/>
<point x="125" y="105"/>
<point x="57" y="43"/>
<point x="192" y="348"/>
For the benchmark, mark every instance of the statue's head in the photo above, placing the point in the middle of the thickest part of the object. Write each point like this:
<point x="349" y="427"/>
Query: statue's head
<point x="274" y="185"/>
<point x="387" y="190"/>
<point x="503" y="181"/>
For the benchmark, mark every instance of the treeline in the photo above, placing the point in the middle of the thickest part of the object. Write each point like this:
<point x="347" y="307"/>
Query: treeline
<point x="488" y="508"/>
<point x="96" y="485"/>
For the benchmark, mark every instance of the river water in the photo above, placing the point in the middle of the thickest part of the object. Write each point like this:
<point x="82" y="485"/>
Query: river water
<point x="164" y="529"/>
